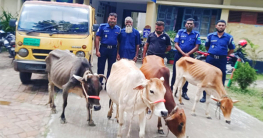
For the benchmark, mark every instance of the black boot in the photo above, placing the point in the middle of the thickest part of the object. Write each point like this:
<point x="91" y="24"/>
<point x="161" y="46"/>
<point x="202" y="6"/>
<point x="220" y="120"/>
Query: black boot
<point x="204" y="97"/>
<point x="185" y="96"/>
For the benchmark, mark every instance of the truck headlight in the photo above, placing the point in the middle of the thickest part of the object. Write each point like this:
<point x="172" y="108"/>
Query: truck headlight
<point x="23" y="52"/>
<point x="80" y="54"/>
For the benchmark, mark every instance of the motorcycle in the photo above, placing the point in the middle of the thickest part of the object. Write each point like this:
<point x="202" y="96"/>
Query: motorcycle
<point x="9" y="43"/>
<point x="2" y="38"/>
<point x="232" y="59"/>
<point x="140" y="52"/>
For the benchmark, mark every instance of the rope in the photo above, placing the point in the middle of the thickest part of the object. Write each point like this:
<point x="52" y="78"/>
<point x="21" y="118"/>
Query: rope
<point x="132" y="114"/>
<point x="82" y="84"/>
<point x="218" y="108"/>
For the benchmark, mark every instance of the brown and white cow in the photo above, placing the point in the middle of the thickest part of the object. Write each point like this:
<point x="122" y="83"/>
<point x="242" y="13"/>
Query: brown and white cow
<point x="72" y="74"/>
<point x="153" y="67"/>
<point x="133" y="93"/>
<point x="206" y="77"/>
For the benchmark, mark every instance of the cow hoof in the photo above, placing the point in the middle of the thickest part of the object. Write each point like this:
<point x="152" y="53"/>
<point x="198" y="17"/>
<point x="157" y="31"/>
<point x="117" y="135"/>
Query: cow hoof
<point x="193" y="114"/>
<point x="63" y="121"/>
<point x="160" y="131"/>
<point x="91" y="123"/>
<point x="109" y="117"/>
<point x="54" y="111"/>
<point x="181" y="103"/>
<point x="209" y="117"/>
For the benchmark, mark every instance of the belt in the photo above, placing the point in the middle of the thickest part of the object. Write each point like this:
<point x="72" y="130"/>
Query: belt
<point x="217" y="56"/>
<point x="109" y="46"/>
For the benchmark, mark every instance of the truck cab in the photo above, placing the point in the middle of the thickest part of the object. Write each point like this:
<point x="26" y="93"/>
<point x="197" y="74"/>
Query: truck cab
<point x="44" y="26"/>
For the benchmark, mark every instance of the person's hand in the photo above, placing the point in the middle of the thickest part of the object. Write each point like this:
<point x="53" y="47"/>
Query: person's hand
<point x="186" y="55"/>
<point x="118" y="57"/>
<point x="135" y="59"/>
<point x="98" y="54"/>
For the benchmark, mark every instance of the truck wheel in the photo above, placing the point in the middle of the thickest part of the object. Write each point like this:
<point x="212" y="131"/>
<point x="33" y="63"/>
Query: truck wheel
<point x="25" y="77"/>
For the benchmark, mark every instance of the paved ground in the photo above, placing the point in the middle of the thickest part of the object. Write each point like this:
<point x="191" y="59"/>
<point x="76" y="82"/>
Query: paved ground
<point x="23" y="114"/>
<point x="22" y="110"/>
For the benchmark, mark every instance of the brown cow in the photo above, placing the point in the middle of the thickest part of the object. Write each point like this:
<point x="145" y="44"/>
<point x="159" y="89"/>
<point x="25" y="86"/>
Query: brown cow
<point x="153" y="67"/>
<point x="206" y="77"/>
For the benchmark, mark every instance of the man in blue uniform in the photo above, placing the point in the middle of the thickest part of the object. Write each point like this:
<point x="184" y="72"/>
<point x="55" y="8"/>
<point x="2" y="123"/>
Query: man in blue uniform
<point x="129" y="41"/>
<point x="158" y="42"/>
<point x="187" y="41"/>
<point x="107" y="34"/>
<point x="217" y="45"/>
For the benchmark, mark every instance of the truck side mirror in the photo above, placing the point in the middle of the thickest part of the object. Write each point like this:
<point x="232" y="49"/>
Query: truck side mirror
<point x="95" y="27"/>
<point x="12" y="22"/>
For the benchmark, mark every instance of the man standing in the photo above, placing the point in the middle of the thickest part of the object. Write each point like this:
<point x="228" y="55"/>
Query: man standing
<point x="129" y="41"/>
<point x="187" y="41"/>
<point x="217" y="45"/>
<point x="107" y="34"/>
<point x="158" y="42"/>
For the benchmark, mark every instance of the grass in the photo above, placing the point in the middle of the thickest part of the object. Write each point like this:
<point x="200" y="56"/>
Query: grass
<point x="250" y="100"/>
<point x="259" y="77"/>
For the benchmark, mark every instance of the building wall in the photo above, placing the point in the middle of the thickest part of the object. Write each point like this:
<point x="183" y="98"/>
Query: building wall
<point x="248" y="3"/>
<point x="10" y="6"/>
<point x="197" y="1"/>
<point x="252" y="32"/>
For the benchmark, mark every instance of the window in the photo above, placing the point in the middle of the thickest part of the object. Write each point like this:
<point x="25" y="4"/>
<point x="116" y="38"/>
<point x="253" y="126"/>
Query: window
<point x="167" y="14"/>
<point x="245" y="17"/>
<point x="204" y="19"/>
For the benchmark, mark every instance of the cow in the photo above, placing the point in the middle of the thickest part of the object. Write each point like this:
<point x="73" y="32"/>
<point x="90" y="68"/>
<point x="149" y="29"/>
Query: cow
<point x="72" y="74"/>
<point x="128" y="88"/>
<point x="206" y="77"/>
<point x="153" y="67"/>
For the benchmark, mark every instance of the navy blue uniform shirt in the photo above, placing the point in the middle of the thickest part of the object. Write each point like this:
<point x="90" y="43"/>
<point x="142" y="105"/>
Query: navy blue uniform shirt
<point x="108" y="35"/>
<point x="158" y="45"/>
<point x="219" y="46"/>
<point x="128" y="43"/>
<point x="187" y="41"/>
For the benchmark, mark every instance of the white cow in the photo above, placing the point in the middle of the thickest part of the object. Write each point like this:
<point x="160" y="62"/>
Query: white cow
<point x="133" y="93"/>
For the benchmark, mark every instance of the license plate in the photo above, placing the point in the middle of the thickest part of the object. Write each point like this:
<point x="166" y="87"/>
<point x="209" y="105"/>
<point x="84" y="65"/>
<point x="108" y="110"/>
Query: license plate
<point x="31" y="42"/>
<point x="12" y="48"/>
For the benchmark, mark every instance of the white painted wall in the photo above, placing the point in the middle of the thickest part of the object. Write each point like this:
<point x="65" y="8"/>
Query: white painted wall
<point x="141" y="23"/>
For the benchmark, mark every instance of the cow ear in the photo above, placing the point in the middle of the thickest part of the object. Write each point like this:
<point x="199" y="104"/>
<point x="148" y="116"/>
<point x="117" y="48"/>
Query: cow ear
<point x="170" y="117"/>
<point x="140" y="87"/>
<point x="78" y="78"/>
<point x="215" y="99"/>
<point x="162" y="79"/>
<point x="235" y="101"/>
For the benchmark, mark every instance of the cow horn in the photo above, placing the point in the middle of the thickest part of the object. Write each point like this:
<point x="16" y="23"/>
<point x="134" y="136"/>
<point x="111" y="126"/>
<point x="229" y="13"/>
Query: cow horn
<point x="101" y="75"/>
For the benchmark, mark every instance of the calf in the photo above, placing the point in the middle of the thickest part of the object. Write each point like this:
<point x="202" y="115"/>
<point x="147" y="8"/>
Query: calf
<point x="206" y="77"/>
<point x="153" y="67"/>
<point x="72" y="74"/>
<point x="133" y="93"/>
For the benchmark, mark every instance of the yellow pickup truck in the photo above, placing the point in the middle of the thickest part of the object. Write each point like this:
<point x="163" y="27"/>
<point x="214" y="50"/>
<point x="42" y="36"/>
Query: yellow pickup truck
<point x="44" y="26"/>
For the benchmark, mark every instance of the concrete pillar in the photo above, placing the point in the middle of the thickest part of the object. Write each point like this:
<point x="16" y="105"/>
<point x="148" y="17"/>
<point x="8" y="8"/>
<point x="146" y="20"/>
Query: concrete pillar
<point x="74" y="1"/>
<point x="224" y="14"/>
<point x="86" y="2"/>
<point x="151" y="14"/>
<point x="2" y="2"/>
<point x="18" y="7"/>
<point x="227" y="2"/>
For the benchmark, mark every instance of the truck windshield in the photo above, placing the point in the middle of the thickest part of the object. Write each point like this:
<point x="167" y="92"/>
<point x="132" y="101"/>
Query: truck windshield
<point x="54" y="19"/>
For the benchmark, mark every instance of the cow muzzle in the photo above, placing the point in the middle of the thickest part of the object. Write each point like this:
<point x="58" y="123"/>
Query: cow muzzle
<point x="160" y="110"/>
<point x="97" y="107"/>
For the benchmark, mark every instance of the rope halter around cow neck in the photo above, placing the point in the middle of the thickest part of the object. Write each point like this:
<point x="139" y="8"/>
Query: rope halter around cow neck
<point x="218" y="104"/>
<point x="87" y="75"/>
<point x="145" y="101"/>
